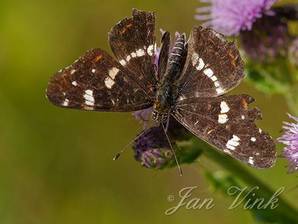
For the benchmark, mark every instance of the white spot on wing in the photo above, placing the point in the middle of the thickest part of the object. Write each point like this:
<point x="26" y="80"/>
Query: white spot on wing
<point x="213" y="78"/>
<point x="222" y="118"/>
<point x="113" y="72"/>
<point x="93" y="70"/>
<point x="89" y="98"/>
<point x="72" y="71"/>
<point x="253" y="139"/>
<point x="216" y="84"/>
<point x="150" y="50"/>
<point x="251" y="160"/>
<point x="89" y="92"/>
<point x="65" y="103"/>
<point x="208" y="72"/>
<point x="74" y="83"/>
<point x="109" y="82"/>
<point x="233" y="142"/>
<point x="133" y="54"/>
<point x="219" y="90"/>
<point x="224" y="107"/>
<point x="201" y="64"/>
<point x="122" y="62"/>
<point x="194" y="59"/>
<point x="140" y="52"/>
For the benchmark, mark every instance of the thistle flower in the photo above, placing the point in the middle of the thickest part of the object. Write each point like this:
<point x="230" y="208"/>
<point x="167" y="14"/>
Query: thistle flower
<point x="290" y="139"/>
<point x="232" y="16"/>
<point x="263" y="29"/>
<point x="152" y="149"/>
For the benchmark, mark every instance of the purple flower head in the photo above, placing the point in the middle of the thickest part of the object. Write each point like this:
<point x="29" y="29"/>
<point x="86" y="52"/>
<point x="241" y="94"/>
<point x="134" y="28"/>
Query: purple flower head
<point x="290" y="139"/>
<point x="152" y="149"/>
<point x="229" y="17"/>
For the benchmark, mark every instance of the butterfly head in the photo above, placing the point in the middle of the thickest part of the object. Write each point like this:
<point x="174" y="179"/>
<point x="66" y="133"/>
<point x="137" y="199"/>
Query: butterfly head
<point x="159" y="117"/>
<point x="160" y="113"/>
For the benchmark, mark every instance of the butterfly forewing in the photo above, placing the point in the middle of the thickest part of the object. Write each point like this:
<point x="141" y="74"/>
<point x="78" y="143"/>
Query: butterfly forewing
<point x="133" y="42"/>
<point x="213" y="65"/>
<point x="226" y="123"/>
<point x="98" y="82"/>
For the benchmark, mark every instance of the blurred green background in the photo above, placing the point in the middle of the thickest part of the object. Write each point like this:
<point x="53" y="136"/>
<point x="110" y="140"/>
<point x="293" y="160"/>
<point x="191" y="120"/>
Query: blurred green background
<point x="56" y="164"/>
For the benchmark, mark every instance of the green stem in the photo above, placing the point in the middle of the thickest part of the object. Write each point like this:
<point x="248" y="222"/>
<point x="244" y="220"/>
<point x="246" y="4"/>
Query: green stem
<point x="284" y="213"/>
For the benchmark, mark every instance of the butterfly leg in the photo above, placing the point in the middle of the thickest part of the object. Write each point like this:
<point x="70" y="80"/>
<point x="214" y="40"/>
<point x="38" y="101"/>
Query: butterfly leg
<point x="171" y="146"/>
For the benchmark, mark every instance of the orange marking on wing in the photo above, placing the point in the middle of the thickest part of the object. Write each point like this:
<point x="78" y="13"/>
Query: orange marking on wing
<point x="244" y="104"/>
<point x="126" y="28"/>
<point x="233" y="58"/>
<point x="98" y="58"/>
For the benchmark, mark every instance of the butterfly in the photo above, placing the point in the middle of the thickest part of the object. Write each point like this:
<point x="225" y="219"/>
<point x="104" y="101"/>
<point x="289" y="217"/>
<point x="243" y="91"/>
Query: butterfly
<point x="188" y="85"/>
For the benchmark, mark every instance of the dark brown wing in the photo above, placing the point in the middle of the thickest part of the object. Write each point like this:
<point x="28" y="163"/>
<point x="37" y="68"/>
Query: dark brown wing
<point x="213" y="65"/>
<point x="226" y="123"/>
<point x="97" y="82"/>
<point x="133" y="42"/>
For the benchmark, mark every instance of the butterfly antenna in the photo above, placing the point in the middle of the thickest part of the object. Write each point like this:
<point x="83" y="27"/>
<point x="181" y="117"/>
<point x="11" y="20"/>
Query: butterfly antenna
<point x="118" y="154"/>
<point x="173" y="151"/>
<point x="168" y="123"/>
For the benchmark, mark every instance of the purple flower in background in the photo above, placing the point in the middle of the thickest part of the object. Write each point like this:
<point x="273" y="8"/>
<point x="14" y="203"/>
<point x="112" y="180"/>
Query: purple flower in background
<point x="268" y="39"/>
<point x="290" y="139"/>
<point x="232" y="16"/>
<point x="262" y="28"/>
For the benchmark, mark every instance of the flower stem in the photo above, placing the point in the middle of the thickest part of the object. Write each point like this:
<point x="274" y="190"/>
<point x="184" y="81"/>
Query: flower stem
<point x="284" y="213"/>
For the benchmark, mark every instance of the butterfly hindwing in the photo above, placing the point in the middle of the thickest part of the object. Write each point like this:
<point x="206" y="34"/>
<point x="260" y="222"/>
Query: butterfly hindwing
<point x="133" y="43"/>
<point x="226" y="123"/>
<point x="98" y="82"/>
<point x="213" y="65"/>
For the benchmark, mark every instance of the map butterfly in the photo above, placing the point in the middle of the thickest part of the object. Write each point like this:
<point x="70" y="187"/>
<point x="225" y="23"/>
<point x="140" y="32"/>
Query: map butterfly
<point x="188" y="85"/>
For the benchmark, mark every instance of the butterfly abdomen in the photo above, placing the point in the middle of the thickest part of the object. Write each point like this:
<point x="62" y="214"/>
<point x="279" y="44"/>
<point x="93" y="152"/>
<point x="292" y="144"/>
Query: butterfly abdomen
<point x="176" y="58"/>
<point x="168" y="90"/>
